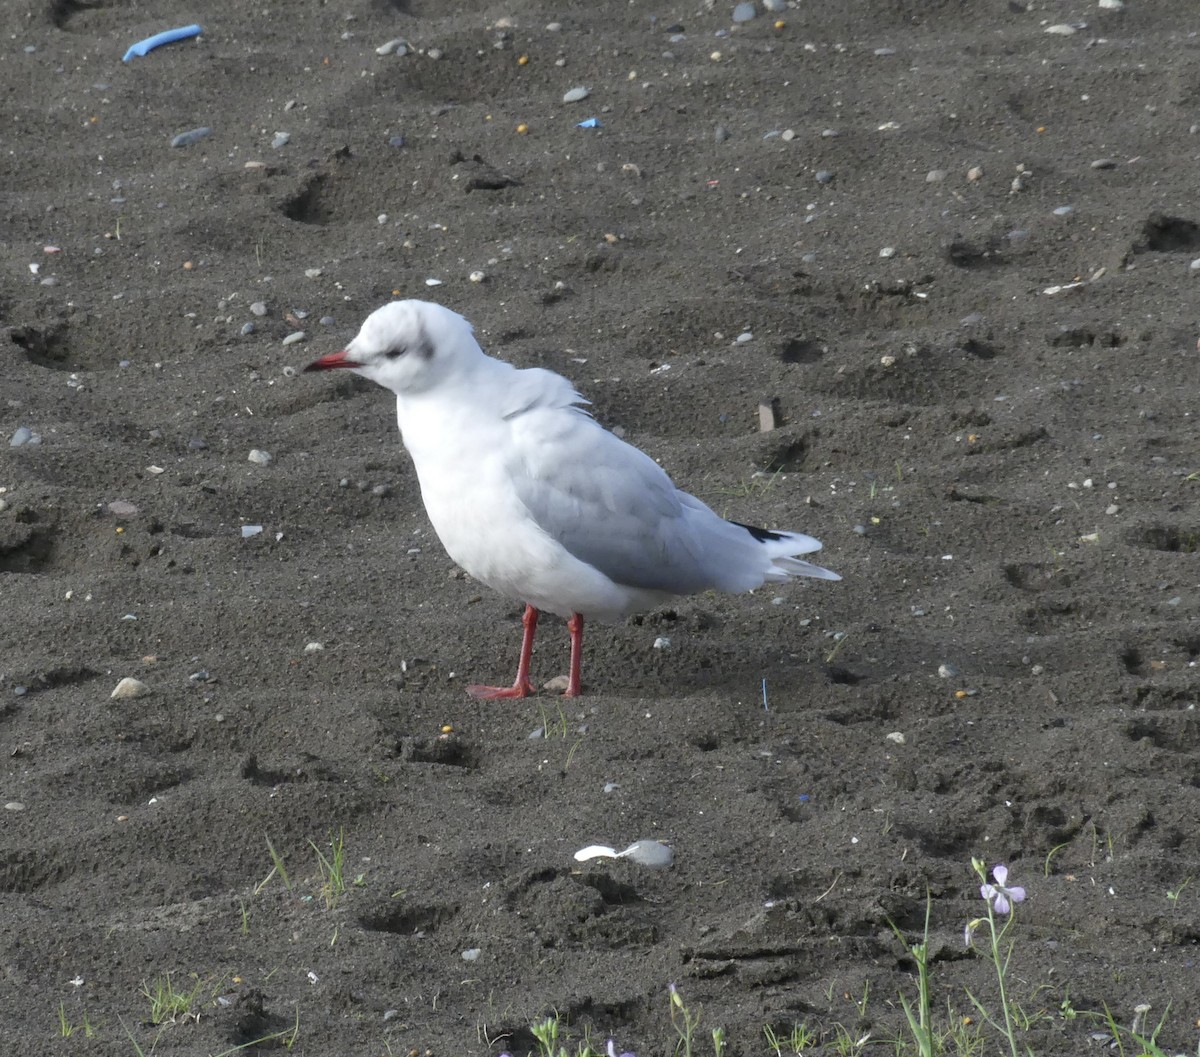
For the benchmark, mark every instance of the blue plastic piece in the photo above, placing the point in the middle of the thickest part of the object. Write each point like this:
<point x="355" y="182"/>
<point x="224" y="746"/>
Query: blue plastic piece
<point x="167" y="36"/>
<point x="591" y="122"/>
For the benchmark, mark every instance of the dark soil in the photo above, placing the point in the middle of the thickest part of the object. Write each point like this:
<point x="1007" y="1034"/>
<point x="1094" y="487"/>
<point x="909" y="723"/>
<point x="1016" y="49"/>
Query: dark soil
<point x="1007" y="478"/>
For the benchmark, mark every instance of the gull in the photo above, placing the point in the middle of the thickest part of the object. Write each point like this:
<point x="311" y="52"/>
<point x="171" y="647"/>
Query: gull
<point x="533" y="497"/>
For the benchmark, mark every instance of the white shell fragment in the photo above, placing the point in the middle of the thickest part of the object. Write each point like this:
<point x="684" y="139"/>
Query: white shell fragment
<point x="129" y="687"/>
<point x="652" y="854"/>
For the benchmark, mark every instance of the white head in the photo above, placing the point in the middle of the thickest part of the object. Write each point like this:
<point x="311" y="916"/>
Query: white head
<point x="407" y="346"/>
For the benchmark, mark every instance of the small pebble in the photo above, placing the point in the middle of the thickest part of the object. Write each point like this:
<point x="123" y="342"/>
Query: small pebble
<point x="882" y="53"/>
<point x="312" y="273"/>
<point x="326" y="321"/>
<point x="122" y="508"/>
<point x="1104" y="163"/>
<point x="897" y="737"/>
<point x="281" y="139"/>
<point x="1064" y="211"/>
<point x="249" y="531"/>
<point x="477" y="277"/>
<point x="1195" y="266"/>
<point x="787" y="135"/>
<point x="947" y="671"/>
<point x="1061" y="29"/>
<point x="471" y="954"/>
<point x="721" y="134"/>
<point x="195" y="135"/>
<point x="744" y="12"/>
<point x="129" y="688"/>
<point x="295" y="336"/>
<point x="14" y="805"/>
<point x="259" y="308"/>
<point x="314" y="647"/>
<point x="744" y="337"/>
<point x="575" y="95"/>
<point x="434" y="53"/>
<point x="21" y="436"/>
<point x="259" y="457"/>
<point x="396" y="141"/>
<point x="935" y="176"/>
<point x="830" y="133"/>
<point x="975" y="173"/>
<point x="399" y="47"/>
<point x="1112" y="5"/>
<point x="198" y="444"/>
<point x="662" y="643"/>
<point x="247" y="329"/>
<point x="887" y="252"/>
<point x="824" y="176"/>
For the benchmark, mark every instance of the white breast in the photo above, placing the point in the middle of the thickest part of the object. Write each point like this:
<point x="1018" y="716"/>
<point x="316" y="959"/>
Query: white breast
<point x="464" y="463"/>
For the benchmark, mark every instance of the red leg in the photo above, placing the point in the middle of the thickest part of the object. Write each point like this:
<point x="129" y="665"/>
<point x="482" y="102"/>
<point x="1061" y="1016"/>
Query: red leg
<point x="521" y="687"/>
<point x="575" y="627"/>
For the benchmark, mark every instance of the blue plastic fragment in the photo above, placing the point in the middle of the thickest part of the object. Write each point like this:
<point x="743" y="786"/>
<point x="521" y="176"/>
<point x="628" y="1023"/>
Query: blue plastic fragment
<point x="591" y="122"/>
<point x="167" y="36"/>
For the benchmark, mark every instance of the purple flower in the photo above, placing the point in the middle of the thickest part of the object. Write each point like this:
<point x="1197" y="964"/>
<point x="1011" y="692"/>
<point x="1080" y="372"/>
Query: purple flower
<point x="1000" y="895"/>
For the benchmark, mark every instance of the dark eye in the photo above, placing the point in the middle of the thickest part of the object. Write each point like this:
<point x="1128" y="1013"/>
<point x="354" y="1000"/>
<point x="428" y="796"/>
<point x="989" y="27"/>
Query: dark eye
<point x="394" y="354"/>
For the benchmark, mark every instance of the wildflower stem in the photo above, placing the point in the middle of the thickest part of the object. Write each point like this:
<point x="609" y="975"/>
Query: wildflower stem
<point x="1000" y="961"/>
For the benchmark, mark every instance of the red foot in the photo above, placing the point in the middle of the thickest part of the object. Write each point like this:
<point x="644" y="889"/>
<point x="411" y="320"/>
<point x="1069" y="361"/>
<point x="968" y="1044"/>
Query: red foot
<point x="520" y="686"/>
<point x="494" y="693"/>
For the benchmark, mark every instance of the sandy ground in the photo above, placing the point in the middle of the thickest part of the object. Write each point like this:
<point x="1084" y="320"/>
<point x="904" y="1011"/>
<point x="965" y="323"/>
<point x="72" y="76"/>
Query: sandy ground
<point x="961" y="247"/>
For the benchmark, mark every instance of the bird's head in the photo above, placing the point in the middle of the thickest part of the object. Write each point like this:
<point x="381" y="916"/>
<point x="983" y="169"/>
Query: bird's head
<point x="406" y="346"/>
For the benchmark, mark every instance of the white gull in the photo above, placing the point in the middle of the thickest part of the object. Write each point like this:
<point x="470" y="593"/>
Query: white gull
<point x="531" y="496"/>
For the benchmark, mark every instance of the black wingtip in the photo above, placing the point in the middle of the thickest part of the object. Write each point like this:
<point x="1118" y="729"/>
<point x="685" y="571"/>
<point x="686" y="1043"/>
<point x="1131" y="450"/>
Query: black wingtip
<point x="761" y="534"/>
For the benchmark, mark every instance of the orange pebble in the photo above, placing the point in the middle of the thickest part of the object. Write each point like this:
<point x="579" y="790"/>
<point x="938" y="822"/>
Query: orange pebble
<point x="447" y="729"/>
<point x="188" y="266"/>
<point x="522" y="128"/>
<point x="523" y="60"/>
<point x="780" y="24"/>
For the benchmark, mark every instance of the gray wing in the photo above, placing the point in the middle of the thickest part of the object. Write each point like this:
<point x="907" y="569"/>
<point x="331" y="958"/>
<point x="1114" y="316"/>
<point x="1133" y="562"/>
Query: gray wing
<point x="609" y="504"/>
